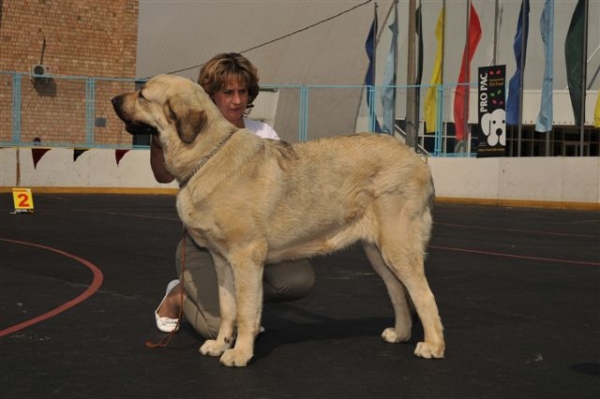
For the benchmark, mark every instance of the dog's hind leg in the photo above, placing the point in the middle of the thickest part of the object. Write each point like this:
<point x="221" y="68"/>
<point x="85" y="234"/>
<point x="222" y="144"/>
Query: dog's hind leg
<point x="403" y="323"/>
<point x="402" y="242"/>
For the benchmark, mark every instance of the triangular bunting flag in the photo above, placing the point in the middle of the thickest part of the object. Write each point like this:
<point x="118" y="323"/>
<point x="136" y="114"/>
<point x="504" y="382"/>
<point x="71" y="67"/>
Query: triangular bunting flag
<point x="37" y="154"/>
<point x="77" y="152"/>
<point x="119" y="154"/>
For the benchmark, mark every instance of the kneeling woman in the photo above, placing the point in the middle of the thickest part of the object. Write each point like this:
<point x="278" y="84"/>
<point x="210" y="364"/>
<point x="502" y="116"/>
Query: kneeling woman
<point x="232" y="83"/>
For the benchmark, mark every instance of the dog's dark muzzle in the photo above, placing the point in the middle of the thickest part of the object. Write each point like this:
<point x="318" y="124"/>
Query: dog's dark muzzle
<point x="132" y="126"/>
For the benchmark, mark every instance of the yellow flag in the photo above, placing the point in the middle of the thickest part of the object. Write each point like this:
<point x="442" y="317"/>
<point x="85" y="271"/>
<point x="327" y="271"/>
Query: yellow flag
<point x="436" y="77"/>
<point x="597" y="112"/>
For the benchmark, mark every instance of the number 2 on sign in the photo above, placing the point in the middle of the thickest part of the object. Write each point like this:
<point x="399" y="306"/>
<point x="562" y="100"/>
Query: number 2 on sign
<point x="23" y="199"/>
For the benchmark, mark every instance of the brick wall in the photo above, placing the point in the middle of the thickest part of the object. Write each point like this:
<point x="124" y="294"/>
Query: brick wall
<point x="75" y="39"/>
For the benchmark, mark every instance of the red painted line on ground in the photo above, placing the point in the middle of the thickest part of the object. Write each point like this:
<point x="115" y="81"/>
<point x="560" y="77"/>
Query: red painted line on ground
<point x="537" y="258"/>
<point x="94" y="286"/>
<point x="548" y="233"/>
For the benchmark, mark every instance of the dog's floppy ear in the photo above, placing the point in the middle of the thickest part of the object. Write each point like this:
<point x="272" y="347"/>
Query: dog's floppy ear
<point x="486" y="119"/>
<point x="188" y="120"/>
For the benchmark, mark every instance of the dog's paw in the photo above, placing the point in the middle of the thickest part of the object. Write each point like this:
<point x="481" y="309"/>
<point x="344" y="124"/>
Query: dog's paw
<point x="428" y="350"/>
<point x="235" y="358"/>
<point x="393" y="336"/>
<point x="212" y="348"/>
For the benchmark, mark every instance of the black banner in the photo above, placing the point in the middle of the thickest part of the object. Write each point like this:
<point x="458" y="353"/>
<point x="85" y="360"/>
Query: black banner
<point x="492" y="111"/>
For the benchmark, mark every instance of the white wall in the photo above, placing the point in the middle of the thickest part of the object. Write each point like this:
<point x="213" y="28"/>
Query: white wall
<point x="563" y="181"/>
<point x="96" y="169"/>
<point x="566" y="182"/>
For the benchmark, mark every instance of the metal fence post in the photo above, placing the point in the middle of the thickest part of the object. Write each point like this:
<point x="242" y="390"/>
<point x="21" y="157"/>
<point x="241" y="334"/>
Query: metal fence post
<point x="90" y="96"/>
<point x="372" y="112"/>
<point x="16" y="111"/>
<point x="303" y="125"/>
<point x="439" y="129"/>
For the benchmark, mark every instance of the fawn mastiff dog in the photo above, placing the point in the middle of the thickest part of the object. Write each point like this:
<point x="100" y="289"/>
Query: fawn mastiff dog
<point x="250" y="201"/>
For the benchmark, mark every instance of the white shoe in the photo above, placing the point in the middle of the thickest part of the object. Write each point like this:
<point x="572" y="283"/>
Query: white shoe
<point x="166" y="324"/>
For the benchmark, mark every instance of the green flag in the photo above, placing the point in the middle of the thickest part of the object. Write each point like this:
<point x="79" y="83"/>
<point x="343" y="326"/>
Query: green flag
<point x="574" y="53"/>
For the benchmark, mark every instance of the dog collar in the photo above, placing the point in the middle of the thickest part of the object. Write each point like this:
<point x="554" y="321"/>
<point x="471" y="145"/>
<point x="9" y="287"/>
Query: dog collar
<point x="183" y="182"/>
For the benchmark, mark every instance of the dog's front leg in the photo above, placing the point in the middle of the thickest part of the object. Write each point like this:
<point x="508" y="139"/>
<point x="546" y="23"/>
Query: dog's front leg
<point x="226" y="335"/>
<point x="248" y="276"/>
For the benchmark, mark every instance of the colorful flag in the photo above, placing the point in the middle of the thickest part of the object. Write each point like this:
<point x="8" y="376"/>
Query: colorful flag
<point x="461" y="97"/>
<point x="513" y="111"/>
<point x="544" y="119"/>
<point x="419" y="28"/>
<point x="388" y="95"/>
<point x="370" y="46"/>
<point x="574" y="57"/>
<point x="436" y="77"/>
<point x="419" y="77"/>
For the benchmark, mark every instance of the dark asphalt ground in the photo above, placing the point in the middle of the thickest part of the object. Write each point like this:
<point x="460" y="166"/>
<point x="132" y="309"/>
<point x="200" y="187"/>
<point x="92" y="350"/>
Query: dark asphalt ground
<point x="518" y="291"/>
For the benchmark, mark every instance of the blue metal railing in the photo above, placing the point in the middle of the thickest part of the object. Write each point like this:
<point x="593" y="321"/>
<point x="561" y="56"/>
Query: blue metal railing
<point x="16" y="108"/>
<point x="104" y="88"/>
<point x="90" y="91"/>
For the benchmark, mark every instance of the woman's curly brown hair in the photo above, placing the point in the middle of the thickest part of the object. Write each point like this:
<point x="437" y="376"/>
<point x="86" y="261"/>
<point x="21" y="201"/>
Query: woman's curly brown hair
<point x="221" y="67"/>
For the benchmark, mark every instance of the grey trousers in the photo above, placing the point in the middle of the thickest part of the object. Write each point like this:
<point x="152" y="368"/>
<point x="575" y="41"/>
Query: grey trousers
<point x="286" y="281"/>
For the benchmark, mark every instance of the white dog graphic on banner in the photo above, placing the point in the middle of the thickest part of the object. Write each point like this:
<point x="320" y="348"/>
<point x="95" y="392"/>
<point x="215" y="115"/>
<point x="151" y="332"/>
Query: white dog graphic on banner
<point x="493" y="126"/>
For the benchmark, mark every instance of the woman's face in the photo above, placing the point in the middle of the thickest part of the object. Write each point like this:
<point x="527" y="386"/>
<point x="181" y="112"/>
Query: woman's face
<point x="232" y="100"/>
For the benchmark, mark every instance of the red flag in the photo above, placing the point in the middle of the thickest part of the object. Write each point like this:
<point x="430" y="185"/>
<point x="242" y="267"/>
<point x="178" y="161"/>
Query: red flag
<point x="461" y="97"/>
<point x="119" y="154"/>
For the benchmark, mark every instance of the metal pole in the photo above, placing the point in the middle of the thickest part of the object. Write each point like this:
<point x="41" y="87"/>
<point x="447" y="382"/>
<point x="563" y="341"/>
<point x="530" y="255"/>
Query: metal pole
<point x="439" y="135"/>
<point x="524" y="27"/>
<point x="467" y="137"/>
<point x="411" y="140"/>
<point x="443" y="41"/>
<point x="373" y="69"/>
<point x="583" y="78"/>
<point x="495" y="34"/>
<point x="371" y="90"/>
<point x="417" y="94"/>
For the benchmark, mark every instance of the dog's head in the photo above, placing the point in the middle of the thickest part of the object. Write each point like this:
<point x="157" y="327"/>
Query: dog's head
<point x="493" y="126"/>
<point x="164" y="103"/>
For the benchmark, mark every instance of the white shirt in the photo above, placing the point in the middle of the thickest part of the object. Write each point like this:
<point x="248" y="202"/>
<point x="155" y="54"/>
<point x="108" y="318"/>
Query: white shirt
<point x="260" y="129"/>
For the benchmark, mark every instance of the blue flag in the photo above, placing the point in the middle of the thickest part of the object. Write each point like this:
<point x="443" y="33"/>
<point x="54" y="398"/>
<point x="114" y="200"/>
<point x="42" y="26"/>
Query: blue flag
<point x="575" y="59"/>
<point x="516" y="82"/>
<point x="419" y="77"/>
<point x="388" y="95"/>
<point x="370" y="46"/>
<point x="544" y="119"/>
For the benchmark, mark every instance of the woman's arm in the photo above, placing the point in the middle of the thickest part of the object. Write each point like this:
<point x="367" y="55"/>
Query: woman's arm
<point x="157" y="162"/>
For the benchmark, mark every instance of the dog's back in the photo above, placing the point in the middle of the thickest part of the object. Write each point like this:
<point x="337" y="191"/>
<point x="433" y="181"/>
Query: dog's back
<point x="332" y="192"/>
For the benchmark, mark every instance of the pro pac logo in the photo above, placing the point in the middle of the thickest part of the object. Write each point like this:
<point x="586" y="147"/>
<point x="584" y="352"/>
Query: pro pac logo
<point x="492" y="111"/>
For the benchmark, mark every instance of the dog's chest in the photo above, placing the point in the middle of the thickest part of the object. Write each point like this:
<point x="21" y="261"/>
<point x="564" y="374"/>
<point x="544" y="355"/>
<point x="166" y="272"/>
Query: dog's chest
<point x="194" y="219"/>
<point x="205" y="222"/>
